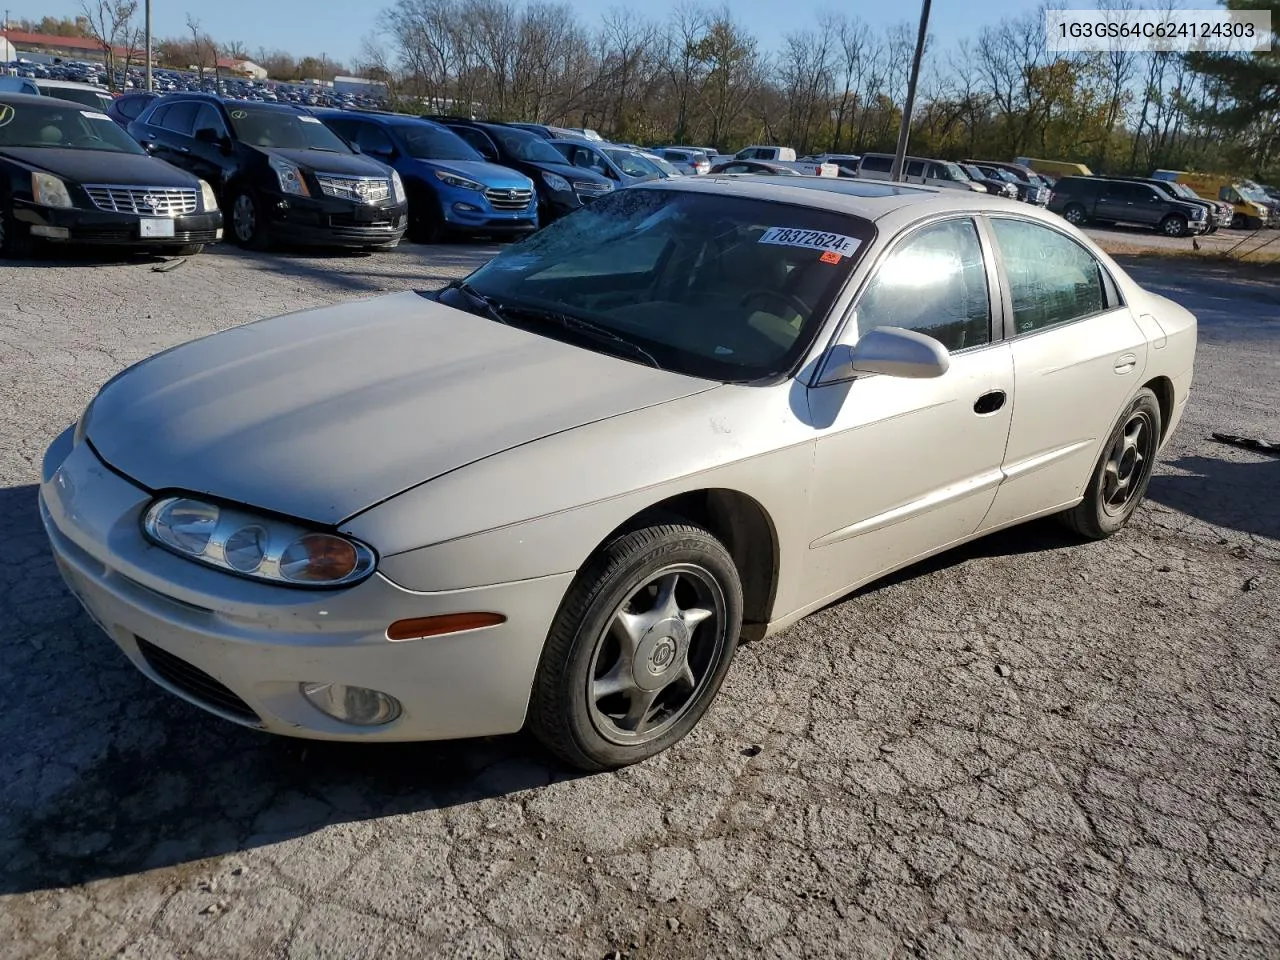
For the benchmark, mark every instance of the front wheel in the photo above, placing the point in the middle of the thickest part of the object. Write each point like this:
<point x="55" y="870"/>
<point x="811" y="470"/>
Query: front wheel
<point x="1174" y="225"/>
<point x="639" y="647"/>
<point x="1120" y="479"/>
<point x="247" y="226"/>
<point x="16" y="241"/>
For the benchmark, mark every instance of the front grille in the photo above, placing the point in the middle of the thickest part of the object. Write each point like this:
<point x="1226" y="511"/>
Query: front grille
<point x="591" y="188"/>
<point x="358" y="189"/>
<point x="508" y="199"/>
<point x="194" y="682"/>
<point x="144" y="201"/>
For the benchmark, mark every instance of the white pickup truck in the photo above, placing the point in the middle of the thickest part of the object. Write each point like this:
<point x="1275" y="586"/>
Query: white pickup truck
<point x="785" y="156"/>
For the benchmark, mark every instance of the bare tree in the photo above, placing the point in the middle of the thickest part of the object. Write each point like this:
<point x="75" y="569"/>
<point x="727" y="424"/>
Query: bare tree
<point x="110" y="23"/>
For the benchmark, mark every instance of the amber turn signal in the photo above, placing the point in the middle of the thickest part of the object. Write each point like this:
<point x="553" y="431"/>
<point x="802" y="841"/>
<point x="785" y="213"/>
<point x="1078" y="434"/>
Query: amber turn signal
<point x="420" y="628"/>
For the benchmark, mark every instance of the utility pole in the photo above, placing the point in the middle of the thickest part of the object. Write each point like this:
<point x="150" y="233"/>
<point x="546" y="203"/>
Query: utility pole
<point x="148" y="30"/>
<point x="904" y="132"/>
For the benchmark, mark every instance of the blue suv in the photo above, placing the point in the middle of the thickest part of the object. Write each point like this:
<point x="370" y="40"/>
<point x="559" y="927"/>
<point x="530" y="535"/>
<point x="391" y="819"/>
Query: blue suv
<point x="451" y="188"/>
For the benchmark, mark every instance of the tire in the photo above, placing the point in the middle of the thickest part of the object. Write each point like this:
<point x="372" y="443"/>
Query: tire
<point x="16" y="242"/>
<point x="1174" y="225"/>
<point x="1237" y="221"/>
<point x="425" y="223"/>
<point x="1075" y="214"/>
<point x="186" y="250"/>
<point x="669" y="567"/>
<point x="247" y="227"/>
<point x="1099" y="515"/>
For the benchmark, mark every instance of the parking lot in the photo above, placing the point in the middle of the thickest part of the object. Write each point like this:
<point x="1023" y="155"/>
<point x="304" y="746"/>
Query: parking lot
<point x="1031" y="747"/>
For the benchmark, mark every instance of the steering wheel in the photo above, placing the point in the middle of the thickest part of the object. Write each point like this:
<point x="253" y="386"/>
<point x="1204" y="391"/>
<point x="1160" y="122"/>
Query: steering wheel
<point x="790" y="300"/>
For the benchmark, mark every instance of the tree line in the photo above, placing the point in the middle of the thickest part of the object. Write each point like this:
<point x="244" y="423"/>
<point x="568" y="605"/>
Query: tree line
<point x="700" y="77"/>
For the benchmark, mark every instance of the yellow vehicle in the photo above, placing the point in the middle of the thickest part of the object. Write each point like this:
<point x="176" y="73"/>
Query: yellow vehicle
<point x="1251" y="207"/>
<point x="1055" y="168"/>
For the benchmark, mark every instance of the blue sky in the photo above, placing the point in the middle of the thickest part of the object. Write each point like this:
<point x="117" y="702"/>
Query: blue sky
<point x="304" y="27"/>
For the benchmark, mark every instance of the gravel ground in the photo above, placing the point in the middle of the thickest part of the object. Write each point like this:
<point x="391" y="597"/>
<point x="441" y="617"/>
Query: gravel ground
<point x="1027" y="748"/>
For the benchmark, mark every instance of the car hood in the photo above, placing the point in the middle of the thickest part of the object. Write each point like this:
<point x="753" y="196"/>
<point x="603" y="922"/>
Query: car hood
<point x="100" y="166"/>
<point x="489" y="174"/>
<point x="321" y="414"/>
<point x="570" y="172"/>
<point x="321" y="161"/>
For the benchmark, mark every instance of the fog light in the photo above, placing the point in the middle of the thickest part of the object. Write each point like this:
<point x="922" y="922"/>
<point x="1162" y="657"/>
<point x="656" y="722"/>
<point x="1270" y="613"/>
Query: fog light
<point x="217" y="234"/>
<point x="465" y="208"/>
<point x="51" y="233"/>
<point x="355" y="705"/>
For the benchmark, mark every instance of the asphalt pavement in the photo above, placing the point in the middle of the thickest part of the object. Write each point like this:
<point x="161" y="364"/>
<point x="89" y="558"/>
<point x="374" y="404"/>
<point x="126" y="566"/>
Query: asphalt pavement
<point x="1030" y="747"/>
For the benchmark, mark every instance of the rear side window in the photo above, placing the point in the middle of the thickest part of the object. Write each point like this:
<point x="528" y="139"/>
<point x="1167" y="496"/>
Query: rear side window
<point x="477" y="139"/>
<point x="877" y="164"/>
<point x="1052" y="278"/>
<point x="934" y="282"/>
<point x="915" y="168"/>
<point x="181" y="118"/>
<point x="131" y="107"/>
<point x="157" y="117"/>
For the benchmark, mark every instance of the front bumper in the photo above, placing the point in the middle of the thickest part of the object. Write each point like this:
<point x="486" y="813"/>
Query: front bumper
<point x="116" y="229"/>
<point x="239" y="648"/>
<point x="485" y="220"/>
<point x="333" y="222"/>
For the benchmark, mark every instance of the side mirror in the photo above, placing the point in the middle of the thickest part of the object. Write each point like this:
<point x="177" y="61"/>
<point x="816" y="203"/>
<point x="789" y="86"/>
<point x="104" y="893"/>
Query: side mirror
<point x="892" y="352"/>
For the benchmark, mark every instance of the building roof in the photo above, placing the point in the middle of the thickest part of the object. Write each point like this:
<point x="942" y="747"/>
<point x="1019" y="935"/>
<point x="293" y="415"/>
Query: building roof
<point x="86" y="44"/>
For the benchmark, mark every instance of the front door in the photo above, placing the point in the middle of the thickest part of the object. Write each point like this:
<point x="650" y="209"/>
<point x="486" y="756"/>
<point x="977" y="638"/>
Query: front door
<point x="905" y="467"/>
<point x="1078" y="356"/>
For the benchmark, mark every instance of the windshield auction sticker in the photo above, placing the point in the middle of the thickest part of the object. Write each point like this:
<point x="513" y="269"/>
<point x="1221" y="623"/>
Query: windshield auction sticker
<point x="1169" y="31"/>
<point x="811" y="240"/>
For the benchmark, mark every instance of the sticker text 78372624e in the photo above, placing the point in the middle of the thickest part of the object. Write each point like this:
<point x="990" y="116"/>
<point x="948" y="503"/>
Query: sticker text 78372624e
<point x="811" y="239"/>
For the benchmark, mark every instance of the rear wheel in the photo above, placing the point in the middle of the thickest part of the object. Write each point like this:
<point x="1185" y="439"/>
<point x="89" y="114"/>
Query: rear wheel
<point x="1174" y="225"/>
<point x="426" y="225"/>
<point x="639" y="647"/>
<point x="1237" y="221"/>
<point x="1121" y="477"/>
<point x="1076" y="214"/>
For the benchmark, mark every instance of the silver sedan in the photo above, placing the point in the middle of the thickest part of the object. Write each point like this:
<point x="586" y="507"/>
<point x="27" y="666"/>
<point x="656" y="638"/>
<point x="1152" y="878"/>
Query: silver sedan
<point x="557" y="495"/>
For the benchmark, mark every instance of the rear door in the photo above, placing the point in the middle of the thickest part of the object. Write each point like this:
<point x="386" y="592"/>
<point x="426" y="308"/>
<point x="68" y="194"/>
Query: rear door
<point x="1078" y="357"/>
<point x="173" y="134"/>
<point x="1129" y="202"/>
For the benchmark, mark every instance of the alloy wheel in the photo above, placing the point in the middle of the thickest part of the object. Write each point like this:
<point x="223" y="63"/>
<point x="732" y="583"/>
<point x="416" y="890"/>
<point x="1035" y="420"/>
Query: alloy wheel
<point x="1127" y="463"/>
<point x="244" y="218"/>
<point x="1074" y="214"/>
<point x="659" y="650"/>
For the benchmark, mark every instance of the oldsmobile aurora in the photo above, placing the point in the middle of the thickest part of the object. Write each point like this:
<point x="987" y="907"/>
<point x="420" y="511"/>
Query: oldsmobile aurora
<point x="557" y="494"/>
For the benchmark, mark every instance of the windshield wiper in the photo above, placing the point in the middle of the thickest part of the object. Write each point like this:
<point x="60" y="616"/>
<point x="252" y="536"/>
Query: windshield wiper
<point x="570" y="322"/>
<point x="325" y="149"/>
<point x="491" y="309"/>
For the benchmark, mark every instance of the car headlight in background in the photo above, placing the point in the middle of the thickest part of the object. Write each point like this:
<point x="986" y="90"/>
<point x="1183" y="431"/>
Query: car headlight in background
<point x="266" y="549"/>
<point x="208" y="199"/>
<point x="397" y="188"/>
<point x="555" y="182"/>
<point x="462" y="183"/>
<point x="290" y="177"/>
<point x="49" y="191"/>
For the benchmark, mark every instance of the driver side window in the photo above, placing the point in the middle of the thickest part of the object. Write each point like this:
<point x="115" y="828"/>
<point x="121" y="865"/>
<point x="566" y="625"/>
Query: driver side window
<point x="934" y="282"/>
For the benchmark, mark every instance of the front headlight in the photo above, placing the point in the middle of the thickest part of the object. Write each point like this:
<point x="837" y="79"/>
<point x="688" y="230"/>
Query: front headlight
<point x="208" y="199"/>
<point x="49" y="191"/>
<point x="462" y="183"/>
<point x="259" y="547"/>
<point x="82" y="425"/>
<point x="555" y="182"/>
<point x="397" y="188"/>
<point x="290" y="177"/>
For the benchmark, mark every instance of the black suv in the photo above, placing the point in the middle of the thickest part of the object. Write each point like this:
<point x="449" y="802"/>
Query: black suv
<point x="278" y="171"/>
<point x="1081" y="200"/>
<point x="1219" y="213"/>
<point x="562" y="187"/>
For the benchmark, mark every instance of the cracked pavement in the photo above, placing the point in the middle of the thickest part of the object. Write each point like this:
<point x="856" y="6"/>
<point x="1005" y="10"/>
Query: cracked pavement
<point x="1030" y="747"/>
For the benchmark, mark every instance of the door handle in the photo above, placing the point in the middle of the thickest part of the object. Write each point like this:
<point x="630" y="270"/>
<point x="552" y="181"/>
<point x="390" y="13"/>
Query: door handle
<point x="1126" y="364"/>
<point x="184" y="149"/>
<point x="989" y="402"/>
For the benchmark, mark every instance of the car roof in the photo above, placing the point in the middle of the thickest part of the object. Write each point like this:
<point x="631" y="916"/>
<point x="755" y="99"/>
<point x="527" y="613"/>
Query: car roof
<point x="234" y="102"/>
<point x="74" y="85"/>
<point x="868" y="199"/>
<point x="30" y="99"/>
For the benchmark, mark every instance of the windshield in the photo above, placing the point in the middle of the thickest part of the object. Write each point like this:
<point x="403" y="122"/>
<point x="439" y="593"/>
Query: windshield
<point x="284" y="130"/>
<point x="664" y="166"/>
<point x="525" y="146"/>
<point x="632" y="164"/>
<point x="426" y="141"/>
<point x="1182" y="190"/>
<point x="975" y="173"/>
<point x="714" y="286"/>
<point x="1254" y="194"/>
<point x="23" y="125"/>
<point x="952" y="171"/>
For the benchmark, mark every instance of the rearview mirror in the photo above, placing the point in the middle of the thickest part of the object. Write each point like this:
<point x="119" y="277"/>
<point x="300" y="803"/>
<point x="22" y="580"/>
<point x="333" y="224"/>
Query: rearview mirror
<point x="892" y="352"/>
